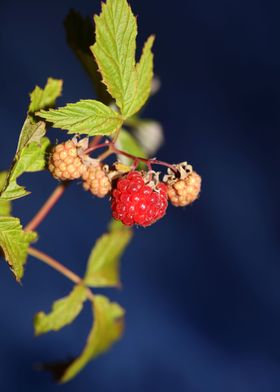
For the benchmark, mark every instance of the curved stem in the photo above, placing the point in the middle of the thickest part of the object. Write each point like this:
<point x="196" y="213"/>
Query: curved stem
<point x="116" y="135"/>
<point x="105" y="154"/>
<point x="148" y="162"/>
<point x="97" y="146"/>
<point x="47" y="206"/>
<point x="50" y="261"/>
<point x="94" y="141"/>
<point x="162" y="163"/>
<point x="113" y="149"/>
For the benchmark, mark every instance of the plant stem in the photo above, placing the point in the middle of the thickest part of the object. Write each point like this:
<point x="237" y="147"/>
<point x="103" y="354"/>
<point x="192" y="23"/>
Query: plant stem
<point x="105" y="155"/>
<point x="47" y="206"/>
<point x="58" y="267"/>
<point x="94" y="141"/>
<point x="148" y="162"/>
<point x="116" y="135"/>
<point x="97" y="146"/>
<point x="113" y="149"/>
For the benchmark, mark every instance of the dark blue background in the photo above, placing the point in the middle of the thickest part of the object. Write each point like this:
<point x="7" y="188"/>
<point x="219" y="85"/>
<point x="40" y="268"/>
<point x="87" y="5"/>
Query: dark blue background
<point x="201" y="287"/>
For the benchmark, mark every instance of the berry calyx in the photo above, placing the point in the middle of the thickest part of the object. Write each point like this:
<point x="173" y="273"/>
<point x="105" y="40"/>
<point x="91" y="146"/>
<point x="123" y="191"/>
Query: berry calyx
<point x="184" y="191"/>
<point x="134" y="202"/>
<point x="96" y="180"/>
<point x="65" y="162"/>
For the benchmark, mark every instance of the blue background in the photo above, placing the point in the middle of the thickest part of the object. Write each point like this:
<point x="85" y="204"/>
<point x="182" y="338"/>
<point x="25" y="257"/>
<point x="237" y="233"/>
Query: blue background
<point x="201" y="287"/>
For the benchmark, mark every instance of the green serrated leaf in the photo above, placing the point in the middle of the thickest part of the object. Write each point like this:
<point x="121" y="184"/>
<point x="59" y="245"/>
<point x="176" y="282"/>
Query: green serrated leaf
<point x="114" y="51"/>
<point x="144" y="70"/>
<point x="103" y="263"/>
<point x="106" y="330"/>
<point x="5" y="205"/>
<point x="87" y="116"/>
<point x="31" y="158"/>
<point x="31" y="132"/>
<point x="46" y="97"/>
<point x="64" y="311"/>
<point x="14" y="243"/>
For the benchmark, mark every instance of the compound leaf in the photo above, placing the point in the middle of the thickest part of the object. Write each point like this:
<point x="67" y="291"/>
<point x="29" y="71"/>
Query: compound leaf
<point x="14" y="243"/>
<point x="64" y="311"/>
<point x="114" y="50"/>
<point x="106" y="330"/>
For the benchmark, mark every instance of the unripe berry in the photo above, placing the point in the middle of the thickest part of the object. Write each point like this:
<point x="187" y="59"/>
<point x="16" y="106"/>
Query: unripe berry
<point x="135" y="202"/>
<point x="95" y="179"/>
<point x="184" y="191"/>
<point x="65" y="162"/>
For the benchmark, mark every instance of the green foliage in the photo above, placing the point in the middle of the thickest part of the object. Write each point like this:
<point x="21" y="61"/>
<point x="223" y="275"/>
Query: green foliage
<point x="31" y="158"/>
<point x="106" y="330"/>
<point x="64" y="311"/>
<point x="5" y="205"/>
<point x="87" y="116"/>
<point x="144" y="71"/>
<point x="114" y="50"/>
<point x="14" y="243"/>
<point x="45" y="98"/>
<point x="103" y="263"/>
<point x="31" y="132"/>
<point x="32" y="145"/>
<point x="129" y="83"/>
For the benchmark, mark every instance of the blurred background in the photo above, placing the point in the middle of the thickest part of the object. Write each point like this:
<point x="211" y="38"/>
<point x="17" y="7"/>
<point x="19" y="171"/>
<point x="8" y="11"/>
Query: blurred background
<point x="201" y="287"/>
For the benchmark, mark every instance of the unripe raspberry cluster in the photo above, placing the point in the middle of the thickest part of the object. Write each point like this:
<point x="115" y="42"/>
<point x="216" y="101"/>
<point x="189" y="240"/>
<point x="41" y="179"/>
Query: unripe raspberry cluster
<point x="137" y="197"/>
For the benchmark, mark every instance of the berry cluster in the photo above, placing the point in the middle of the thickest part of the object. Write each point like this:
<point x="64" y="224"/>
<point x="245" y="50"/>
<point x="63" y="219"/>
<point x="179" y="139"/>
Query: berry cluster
<point x="137" y="197"/>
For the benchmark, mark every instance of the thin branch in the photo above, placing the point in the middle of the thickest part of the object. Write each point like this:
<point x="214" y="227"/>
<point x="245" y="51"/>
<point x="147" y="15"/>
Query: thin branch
<point x="97" y="146"/>
<point x="47" y="206"/>
<point x="50" y="261"/>
<point x="95" y="140"/>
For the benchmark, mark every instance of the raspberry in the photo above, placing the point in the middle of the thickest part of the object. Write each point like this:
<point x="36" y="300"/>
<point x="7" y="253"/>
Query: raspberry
<point x="134" y="202"/>
<point x="96" y="180"/>
<point x="185" y="191"/>
<point x="65" y="162"/>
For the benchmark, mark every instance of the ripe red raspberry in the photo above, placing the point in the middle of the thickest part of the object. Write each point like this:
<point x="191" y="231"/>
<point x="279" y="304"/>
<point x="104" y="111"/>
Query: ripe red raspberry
<point x="134" y="202"/>
<point x="65" y="162"/>
<point x="184" y="191"/>
<point x="96" y="180"/>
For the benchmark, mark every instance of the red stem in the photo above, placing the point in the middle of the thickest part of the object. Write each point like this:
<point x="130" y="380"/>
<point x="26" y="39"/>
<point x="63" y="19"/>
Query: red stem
<point x="50" y="261"/>
<point x="94" y="141"/>
<point x="46" y="208"/>
<point x="97" y="146"/>
<point x="148" y="162"/>
<point x="112" y="148"/>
